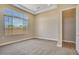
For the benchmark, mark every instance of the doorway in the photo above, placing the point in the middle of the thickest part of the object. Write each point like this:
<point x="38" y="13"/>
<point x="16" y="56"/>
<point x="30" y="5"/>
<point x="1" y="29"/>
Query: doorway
<point x="69" y="28"/>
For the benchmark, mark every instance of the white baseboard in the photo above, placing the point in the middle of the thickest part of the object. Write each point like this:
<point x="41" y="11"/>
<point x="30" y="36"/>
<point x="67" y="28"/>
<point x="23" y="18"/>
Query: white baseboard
<point x="59" y="45"/>
<point x="10" y="42"/>
<point x="77" y="51"/>
<point x="68" y="41"/>
<point x="50" y="39"/>
<point x="47" y="38"/>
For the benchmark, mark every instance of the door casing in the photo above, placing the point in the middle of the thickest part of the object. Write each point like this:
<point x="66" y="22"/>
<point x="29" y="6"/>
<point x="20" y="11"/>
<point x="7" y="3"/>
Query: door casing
<point x="59" y="43"/>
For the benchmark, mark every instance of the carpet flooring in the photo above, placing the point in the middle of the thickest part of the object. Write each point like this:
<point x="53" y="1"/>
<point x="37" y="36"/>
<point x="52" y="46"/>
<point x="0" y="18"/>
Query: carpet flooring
<point x="35" y="47"/>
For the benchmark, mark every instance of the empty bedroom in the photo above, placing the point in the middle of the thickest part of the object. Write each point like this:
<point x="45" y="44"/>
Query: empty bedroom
<point x="39" y="29"/>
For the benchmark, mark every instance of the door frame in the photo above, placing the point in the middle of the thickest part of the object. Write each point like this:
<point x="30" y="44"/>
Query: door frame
<point x="59" y="44"/>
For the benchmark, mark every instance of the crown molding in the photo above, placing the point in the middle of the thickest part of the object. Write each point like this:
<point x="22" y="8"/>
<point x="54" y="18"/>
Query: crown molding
<point x="30" y="11"/>
<point x="23" y="8"/>
<point x="46" y="9"/>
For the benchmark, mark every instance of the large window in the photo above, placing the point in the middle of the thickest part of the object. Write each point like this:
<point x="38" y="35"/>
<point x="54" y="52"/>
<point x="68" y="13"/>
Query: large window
<point x="15" y="22"/>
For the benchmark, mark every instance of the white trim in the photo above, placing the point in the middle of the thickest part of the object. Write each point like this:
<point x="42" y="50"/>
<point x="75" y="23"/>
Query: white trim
<point x="68" y="41"/>
<point x="47" y="38"/>
<point x="61" y="40"/>
<point x="77" y="50"/>
<point x="46" y="9"/>
<point x="50" y="39"/>
<point x="30" y="11"/>
<point x="10" y="42"/>
<point x="68" y="8"/>
<point x="25" y="9"/>
<point x="59" y="45"/>
<point x="77" y="29"/>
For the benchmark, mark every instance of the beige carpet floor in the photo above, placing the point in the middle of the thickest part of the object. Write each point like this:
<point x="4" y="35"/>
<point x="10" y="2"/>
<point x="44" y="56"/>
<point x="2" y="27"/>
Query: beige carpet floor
<point x="35" y="47"/>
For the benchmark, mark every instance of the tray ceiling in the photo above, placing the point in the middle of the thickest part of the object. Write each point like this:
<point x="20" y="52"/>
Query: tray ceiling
<point x="36" y="8"/>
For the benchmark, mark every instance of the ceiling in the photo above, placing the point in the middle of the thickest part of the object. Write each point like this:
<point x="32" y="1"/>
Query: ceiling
<point x="36" y="8"/>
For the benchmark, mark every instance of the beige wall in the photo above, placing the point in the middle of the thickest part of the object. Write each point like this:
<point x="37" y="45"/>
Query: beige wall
<point x="45" y="25"/>
<point x="29" y="30"/>
<point x="48" y="24"/>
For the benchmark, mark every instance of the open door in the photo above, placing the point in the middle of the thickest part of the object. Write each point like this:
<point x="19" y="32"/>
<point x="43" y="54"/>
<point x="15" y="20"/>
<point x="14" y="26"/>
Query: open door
<point x="69" y="28"/>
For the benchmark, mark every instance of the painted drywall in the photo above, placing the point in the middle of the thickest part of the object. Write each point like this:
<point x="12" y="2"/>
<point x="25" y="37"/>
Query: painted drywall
<point x="29" y="30"/>
<point x="69" y="25"/>
<point x="45" y="25"/>
<point x="48" y="24"/>
<point x="77" y="28"/>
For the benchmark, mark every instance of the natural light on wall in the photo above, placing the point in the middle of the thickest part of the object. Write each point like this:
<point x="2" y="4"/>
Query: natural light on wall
<point x="15" y="22"/>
